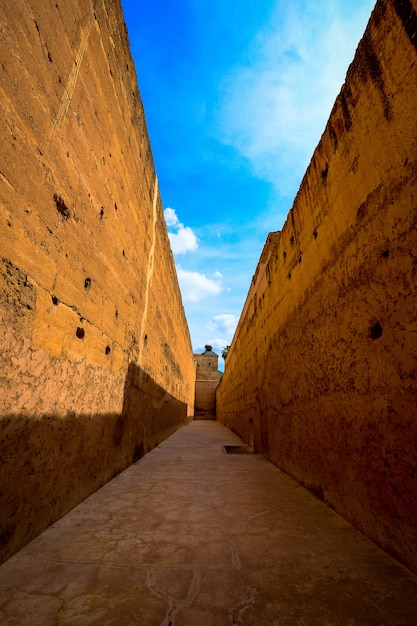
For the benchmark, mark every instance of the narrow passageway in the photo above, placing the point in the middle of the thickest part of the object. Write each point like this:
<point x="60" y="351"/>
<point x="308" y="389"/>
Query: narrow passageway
<point x="190" y="535"/>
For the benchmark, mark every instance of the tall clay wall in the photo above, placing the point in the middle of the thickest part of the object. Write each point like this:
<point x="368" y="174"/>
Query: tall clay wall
<point x="205" y="398"/>
<point x="96" y="364"/>
<point x="323" y="366"/>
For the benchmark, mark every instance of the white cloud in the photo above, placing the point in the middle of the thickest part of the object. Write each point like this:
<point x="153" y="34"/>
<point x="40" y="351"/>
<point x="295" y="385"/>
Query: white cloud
<point x="195" y="286"/>
<point x="184" y="239"/>
<point x="171" y="218"/>
<point x="224" y="323"/>
<point x="275" y="107"/>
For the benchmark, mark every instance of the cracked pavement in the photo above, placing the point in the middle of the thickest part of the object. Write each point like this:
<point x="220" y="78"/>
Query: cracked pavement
<point x="191" y="536"/>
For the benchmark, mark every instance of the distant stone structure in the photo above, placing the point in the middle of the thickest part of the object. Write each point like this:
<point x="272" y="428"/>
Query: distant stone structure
<point x="207" y="379"/>
<point x="207" y="364"/>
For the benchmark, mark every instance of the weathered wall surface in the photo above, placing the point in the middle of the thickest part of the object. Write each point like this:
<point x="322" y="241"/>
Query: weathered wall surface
<point x="96" y="364"/>
<point x="206" y="367"/>
<point x="205" y="398"/>
<point x="323" y="366"/>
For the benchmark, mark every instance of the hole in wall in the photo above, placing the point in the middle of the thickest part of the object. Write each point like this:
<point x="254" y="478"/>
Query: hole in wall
<point x="116" y="314"/>
<point x="292" y="240"/>
<point x="325" y="172"/>
<point x="375" y="331"/>
<point x="80" y="332"/>
<point x="289" y="276"/>
<point x="61" y="207"/>
<point x="87" y="283"/>
<point x="385" y="254"/>
<point x="55" y="301"/>
<point x="315" y="233"/>
<point x="101" y="213"/>
<point x="108" y="350"/>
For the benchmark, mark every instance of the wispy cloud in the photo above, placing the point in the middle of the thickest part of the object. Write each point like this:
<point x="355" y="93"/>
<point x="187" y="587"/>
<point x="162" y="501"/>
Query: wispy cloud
<point x="183" y="239"/>
<point x="171" y="217"/>
<point x="224" y="324"/>
<point x="275" y="106"/>
<point x="196" y="286"/>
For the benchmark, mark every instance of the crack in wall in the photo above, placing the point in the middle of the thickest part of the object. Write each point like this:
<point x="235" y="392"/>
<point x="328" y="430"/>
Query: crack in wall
<point x="72" y="80"/>
<point x="4" y="179"/>
<point x="149" y="274"/>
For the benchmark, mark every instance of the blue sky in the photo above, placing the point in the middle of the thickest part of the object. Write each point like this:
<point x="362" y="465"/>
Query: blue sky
<point x="236" y="97"/>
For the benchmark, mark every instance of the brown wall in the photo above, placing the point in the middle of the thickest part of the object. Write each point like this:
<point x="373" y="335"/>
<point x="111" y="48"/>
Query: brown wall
<point x="205" y="398"/>
<point x="96" y="362"/>
<point x="207" y="367"/>
<point x="330" y="321"/>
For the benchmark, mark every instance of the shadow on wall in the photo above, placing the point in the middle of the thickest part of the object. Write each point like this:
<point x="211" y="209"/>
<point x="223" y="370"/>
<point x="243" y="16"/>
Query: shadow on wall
<point x="205" y="398"/>
<point x="50" y="463"/>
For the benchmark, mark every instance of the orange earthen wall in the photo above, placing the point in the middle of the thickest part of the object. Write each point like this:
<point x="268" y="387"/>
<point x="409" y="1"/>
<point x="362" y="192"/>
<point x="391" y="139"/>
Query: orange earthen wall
<point x="323" y="366"/>
<point x="206" y="367"/>
<point x="205" y="397"/>
<point x="96" y="364"/>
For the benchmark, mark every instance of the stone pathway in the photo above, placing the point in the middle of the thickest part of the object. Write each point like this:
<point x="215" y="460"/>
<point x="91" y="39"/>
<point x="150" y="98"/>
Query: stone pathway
<point x="191" y="536"/>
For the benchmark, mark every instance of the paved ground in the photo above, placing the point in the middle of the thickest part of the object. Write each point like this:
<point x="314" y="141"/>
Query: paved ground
<point x="190" y="535"/>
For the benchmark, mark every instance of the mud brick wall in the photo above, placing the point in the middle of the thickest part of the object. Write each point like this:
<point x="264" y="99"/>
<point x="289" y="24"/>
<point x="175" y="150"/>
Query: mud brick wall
<point x="323" y="366"/>
<point x="205" y="398"/>
<point x="96" y="365"/>
<point x="206" y="367"/>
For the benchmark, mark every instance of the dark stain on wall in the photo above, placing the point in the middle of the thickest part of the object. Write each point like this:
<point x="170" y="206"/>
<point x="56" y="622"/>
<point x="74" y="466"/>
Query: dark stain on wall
<point x="408" y="17"/>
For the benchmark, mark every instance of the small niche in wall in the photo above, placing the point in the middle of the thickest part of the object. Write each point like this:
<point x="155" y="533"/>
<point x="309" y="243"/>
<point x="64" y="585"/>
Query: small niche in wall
<point x="80" y="332"/>
<point x="375" y="330"/>
<point x="61" y="207"/>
